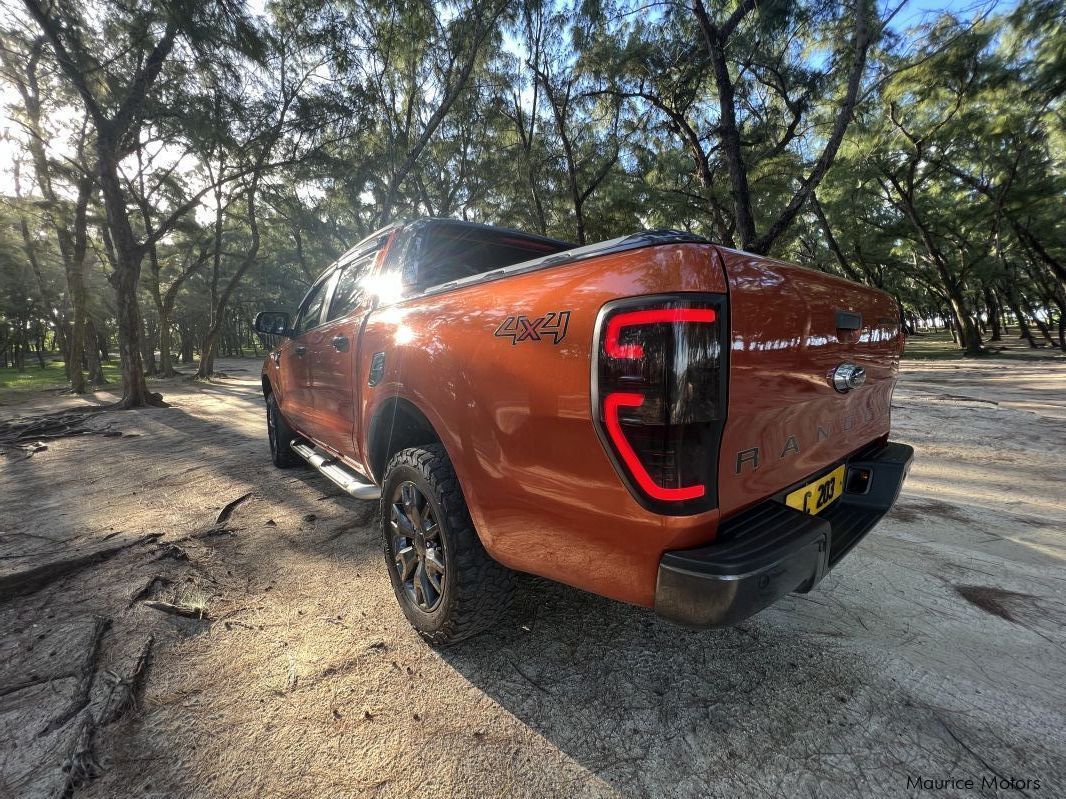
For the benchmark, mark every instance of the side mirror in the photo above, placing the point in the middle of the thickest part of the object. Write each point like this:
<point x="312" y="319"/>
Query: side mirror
<point x="272" y="323"/>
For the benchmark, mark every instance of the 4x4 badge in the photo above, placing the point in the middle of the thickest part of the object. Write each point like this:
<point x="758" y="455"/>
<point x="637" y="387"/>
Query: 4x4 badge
<point x="521" y="328"/>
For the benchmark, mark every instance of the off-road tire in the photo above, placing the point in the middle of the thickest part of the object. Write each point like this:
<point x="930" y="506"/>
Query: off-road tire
<point x="476" y="589"/>
<point x="280" y="434"/>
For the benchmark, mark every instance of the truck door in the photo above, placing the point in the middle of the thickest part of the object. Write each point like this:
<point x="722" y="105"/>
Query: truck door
<point x="297" y="405"/>
<point x="334" y="355"/>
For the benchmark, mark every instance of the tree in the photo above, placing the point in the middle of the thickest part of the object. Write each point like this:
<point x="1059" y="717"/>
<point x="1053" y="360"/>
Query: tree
<point x="21" y="61"/>
<point x="930" y="163"/>
<point x="586" y="119"/>
<point x="113" y="61"/>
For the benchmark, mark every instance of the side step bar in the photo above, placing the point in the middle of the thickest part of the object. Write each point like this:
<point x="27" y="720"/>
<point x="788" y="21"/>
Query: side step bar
<point x="336" y="472"/>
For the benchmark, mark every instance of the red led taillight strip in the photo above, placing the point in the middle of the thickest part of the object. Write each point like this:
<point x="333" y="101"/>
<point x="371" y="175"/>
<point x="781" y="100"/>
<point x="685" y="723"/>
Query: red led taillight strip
<point x="616" y="349"/>
<point x="611" y="404"/>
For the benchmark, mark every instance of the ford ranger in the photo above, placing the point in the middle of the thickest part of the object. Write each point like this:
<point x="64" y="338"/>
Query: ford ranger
<point x="654" y="418"/>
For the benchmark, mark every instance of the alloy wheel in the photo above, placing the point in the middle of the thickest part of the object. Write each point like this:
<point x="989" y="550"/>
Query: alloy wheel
<point x="417" y="547"/>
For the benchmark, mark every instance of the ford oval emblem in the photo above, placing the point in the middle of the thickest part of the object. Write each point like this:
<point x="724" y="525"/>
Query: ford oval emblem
<point x="846" y="377"/>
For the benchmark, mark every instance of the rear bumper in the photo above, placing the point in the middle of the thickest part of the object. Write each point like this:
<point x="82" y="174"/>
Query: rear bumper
<point x="771" y="549"/>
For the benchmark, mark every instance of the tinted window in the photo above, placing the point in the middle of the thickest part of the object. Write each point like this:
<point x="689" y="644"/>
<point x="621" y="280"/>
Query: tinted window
<point x="451" y="252"/>
<point x="349" y="292"/>
<point x="311" y="310"/>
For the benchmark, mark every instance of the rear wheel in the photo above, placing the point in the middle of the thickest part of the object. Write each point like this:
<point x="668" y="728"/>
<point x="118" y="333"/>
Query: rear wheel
<point x="446" y="583"/>
<point x="280" y="435"/>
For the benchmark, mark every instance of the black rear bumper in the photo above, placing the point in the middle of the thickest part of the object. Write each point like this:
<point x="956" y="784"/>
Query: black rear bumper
<point x="770" y="550"/>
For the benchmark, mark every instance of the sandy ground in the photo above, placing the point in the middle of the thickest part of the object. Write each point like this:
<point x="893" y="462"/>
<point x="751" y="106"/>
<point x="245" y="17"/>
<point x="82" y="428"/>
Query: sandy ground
<point x="934" y="651"/>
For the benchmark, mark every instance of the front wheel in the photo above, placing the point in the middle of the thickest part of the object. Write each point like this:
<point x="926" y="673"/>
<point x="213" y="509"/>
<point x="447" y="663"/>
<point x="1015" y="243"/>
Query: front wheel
<point x="446" y="583"/>
<point x="280" y="435"/>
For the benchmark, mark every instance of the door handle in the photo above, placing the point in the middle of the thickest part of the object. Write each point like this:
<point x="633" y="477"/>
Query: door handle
<point x="340" y="343"/>
<point x="299" y="349"/>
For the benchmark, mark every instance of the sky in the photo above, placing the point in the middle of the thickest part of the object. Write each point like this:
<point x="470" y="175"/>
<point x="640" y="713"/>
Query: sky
<point x="913" y="12"/>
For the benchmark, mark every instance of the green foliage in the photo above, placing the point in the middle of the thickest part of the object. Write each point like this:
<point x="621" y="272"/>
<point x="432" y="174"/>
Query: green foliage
<point x="292" y="135"/>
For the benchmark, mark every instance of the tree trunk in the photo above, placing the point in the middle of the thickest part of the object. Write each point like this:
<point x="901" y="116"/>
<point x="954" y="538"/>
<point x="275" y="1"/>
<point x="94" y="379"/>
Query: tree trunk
<point x="148" y="346"/>
<point x="75" y="272"/>
<point x="103" y="342"/>
<point x="969" y="334"/>
<point x="571" y="164"/>
<point x="1023" y="327"/>
<point x="39" y="350"/>
<point x="125" y="278"/>
<point x="207" y="346"/>
<point x="729" y="133"/>
<point x="210" y="342"/>
<point x="187" y="345"/>
<point x="994" y="314"/>
<point x="166" y="362"/>
<point x="1044" y="330"/>
<point x="18" y="354"/>
<point x="128" y="314"/>
<point x="91" y="343"/>
<point x="49" y="302"/>
<point x="1061" y="305"/>
<point x="906" y="320"/>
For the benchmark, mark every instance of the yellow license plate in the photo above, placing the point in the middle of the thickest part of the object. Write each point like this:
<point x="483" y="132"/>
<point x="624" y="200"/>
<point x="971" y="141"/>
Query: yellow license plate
<point x="819" y="495"/>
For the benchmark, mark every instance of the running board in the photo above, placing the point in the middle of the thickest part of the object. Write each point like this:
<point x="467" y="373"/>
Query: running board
<point x="336" y="472"/>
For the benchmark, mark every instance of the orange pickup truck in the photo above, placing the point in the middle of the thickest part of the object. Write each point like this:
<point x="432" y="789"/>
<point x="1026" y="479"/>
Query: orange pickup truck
<point x="653" y="418"/>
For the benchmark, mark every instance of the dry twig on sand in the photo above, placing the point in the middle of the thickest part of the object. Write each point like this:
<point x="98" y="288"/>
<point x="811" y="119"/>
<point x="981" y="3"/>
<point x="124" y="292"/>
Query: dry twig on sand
<point x="188" y="611"/>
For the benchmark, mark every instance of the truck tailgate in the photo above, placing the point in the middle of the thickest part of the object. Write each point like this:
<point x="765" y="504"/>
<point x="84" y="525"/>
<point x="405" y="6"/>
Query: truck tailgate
<point x="790" y="327"/>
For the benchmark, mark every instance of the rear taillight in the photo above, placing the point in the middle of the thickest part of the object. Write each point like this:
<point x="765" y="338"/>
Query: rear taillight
<point x="659" y="393"/>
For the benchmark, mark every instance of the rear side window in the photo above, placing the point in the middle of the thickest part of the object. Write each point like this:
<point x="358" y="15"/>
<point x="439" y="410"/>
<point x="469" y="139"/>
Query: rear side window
<point x="452" y="252"/>
<point x="348" y="294"/>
